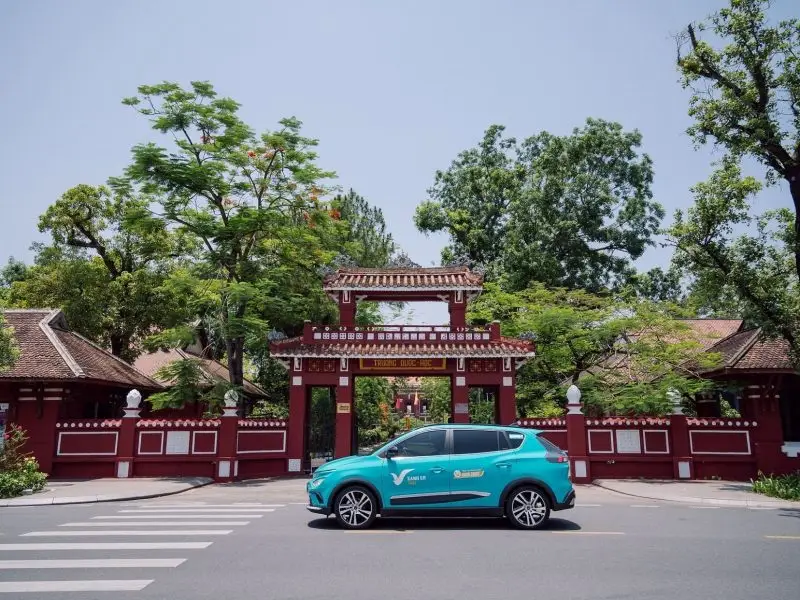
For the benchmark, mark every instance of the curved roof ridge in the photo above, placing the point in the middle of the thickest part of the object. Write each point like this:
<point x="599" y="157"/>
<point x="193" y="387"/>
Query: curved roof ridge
<point x="70" y="361"/>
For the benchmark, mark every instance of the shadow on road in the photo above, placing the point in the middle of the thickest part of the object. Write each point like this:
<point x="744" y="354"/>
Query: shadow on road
<point x="451" y="523"/>
<point x="790" y="512"/>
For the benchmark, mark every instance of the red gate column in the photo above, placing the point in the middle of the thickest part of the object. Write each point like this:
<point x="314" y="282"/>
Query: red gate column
<point x="295" y="444"/>
<point x="507" y="400"/>
<point x="683" y="465"/>
<point x="576" y="437"/>
<point x="344" y="417"/>
<point x="459" y="399"/>
<point x="126" y="441"/>
<point x="767" y="436"/>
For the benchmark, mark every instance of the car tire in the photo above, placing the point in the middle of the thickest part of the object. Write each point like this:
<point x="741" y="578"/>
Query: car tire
<point x="528" y="507"/>
<point x="355" y="507"/>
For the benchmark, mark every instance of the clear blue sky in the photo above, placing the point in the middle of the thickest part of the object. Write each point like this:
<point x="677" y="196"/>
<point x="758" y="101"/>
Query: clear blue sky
<point x="393" y="90"/>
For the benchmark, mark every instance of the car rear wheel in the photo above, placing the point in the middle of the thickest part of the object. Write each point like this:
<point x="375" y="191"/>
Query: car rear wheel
<point x="355" y="508"/>
<point x="528" y="508"/>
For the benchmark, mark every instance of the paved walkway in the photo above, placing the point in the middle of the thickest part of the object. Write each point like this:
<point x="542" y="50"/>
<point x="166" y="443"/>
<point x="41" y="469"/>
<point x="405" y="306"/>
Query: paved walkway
<point x="716" y="493"/>
<point x="106" y="490"/>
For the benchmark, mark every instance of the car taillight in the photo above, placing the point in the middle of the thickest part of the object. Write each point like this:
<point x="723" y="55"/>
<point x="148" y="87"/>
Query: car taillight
<point x="557" y="458"/>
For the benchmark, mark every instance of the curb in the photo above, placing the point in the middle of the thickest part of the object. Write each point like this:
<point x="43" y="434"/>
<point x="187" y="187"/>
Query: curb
<point x="14" y="502"/>
<point x="709" y="501"/>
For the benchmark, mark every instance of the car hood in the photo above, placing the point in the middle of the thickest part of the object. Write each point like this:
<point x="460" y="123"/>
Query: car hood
<point x="338" y="463"/>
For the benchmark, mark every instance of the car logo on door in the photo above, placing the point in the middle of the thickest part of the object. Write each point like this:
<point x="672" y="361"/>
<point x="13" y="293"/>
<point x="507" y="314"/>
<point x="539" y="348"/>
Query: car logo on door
<point x="398" y="478"/>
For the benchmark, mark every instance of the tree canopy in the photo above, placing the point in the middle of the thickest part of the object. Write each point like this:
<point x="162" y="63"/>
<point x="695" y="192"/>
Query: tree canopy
<point x="746" y="93"/>
<point x="571" y="211"/>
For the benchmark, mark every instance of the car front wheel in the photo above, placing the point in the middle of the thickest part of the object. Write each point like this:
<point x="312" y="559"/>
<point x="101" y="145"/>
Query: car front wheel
<point x="355" y="508"/>
<point x="528" y="508"/>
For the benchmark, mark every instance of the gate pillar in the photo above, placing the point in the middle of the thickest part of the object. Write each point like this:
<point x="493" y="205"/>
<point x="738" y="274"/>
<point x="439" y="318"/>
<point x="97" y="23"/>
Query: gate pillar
<point x="506" y="400"/>
<point x="344" y="417"/>
<point x="295" y="444"/>
<point x="459" y="399"/>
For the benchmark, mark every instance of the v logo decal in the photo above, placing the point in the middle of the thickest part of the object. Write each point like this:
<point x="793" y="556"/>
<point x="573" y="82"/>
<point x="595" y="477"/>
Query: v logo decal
<point x="398" y="478"/>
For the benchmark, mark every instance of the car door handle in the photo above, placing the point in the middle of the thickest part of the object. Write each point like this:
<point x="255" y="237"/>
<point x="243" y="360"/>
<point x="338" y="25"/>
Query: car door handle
<point x="503" y="465"/>
<point x="437" y="470"/>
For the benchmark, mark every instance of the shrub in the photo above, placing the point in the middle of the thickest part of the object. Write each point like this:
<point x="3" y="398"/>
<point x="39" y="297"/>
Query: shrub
<point x="18" y="471"/>
<point x="27" y="477"/>
<point x="786" y="487"/>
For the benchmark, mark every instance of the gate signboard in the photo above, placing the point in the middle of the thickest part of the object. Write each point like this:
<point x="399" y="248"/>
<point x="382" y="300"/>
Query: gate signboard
<point x="403" y="364"/>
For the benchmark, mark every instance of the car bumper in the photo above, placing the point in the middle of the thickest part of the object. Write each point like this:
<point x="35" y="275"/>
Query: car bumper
<point x="320" y="510"/>
<point x="569" y="502"/>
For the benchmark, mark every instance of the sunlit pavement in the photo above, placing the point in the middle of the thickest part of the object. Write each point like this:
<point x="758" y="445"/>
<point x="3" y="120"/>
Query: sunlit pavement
<point x="256" y="540"/>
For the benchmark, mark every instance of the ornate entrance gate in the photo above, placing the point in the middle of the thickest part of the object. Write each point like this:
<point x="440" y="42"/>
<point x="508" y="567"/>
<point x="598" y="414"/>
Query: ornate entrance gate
<point x="332" y="355"/>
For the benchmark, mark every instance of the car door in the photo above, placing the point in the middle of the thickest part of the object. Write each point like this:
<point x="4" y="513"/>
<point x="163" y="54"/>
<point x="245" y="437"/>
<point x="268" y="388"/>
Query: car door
<point x="482" y="464"/>
<point x="419" y="475"/>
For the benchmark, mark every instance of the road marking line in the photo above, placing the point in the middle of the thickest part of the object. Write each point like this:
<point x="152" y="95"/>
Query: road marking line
<point x="108" y="546"/>
<point x="782" y="537"/>
<point x="380" y="531"/>
<point x="157" y="524"/>
<point x="195" y="510"/>
<point x="127" y="532"/>
<point x="171" y="516"/>
<point x="588" y="532"/>
<point x="109" y="585"/>
<point x="93" y="563"/>
<point x="761" y="508"/>
<point x="714" y="507"/>
<point x="587" y="505"/>
<point x="645" y="506"/>
<point x="205" y="506"/>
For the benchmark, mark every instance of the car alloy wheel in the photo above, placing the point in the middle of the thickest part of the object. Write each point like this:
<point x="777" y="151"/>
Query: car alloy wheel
<point x="528" y="508"/>
<point x="355" y="508"/>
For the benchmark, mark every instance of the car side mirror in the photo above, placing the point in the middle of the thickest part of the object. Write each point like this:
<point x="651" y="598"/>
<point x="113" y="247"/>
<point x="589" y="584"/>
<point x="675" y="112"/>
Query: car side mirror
<point x="392" y="452"/>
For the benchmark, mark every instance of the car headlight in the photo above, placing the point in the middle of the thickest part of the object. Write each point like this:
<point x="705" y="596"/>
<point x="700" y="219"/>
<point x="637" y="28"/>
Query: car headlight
<point x="316" y="483"/>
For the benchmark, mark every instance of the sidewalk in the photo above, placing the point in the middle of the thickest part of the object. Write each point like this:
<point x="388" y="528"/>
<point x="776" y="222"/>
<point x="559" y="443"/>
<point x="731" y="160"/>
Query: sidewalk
<point x="715" y="493"/>
<point x="106" y="490"/>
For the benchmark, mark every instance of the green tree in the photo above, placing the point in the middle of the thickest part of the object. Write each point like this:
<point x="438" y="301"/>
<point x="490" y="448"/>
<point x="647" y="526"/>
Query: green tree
<point x="437" y="391"/>
<point x="746" y="93"/>
<point x="625" y="352"/>
<point x="750" y="274"/>
<point x="252" y="202"/>
<point x="373" y="398"/>
<point x="9" y="352"/>
<point x="106" y="268"/>
<point x="365" y="239"/>
<point x="658" y="285"/>
<point x="571" y="211"/>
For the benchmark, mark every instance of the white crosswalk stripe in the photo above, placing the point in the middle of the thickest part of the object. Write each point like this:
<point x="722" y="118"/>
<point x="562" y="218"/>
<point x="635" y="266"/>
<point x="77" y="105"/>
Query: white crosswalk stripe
<point x="58" y="546"/>
<point x="149" y="522"/>
<point x="156" y="523"/>
<point x="110" y="585"/>
<point x="196" y="510"/>
<point x="93" y="563"/>
<point x="126" y="532"/>
<point x="178" y="516"/>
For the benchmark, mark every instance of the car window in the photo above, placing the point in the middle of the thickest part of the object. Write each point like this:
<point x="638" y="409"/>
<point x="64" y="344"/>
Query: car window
<point x="471" y="441"/>
<point x="548" y="445"/>
<point x="427" y="443"/>
<point x="512" y="439"/>
<point x="515" y="439"/>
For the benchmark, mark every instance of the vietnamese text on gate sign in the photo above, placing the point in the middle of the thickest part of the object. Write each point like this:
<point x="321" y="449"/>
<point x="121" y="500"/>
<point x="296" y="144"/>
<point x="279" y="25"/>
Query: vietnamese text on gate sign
<point x="404" y="363"/>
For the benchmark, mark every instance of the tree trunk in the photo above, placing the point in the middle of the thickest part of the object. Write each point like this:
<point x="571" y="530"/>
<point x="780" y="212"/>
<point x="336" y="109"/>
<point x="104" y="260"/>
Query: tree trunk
<point x="119" y="344"/>
<point x="793" y="176"/>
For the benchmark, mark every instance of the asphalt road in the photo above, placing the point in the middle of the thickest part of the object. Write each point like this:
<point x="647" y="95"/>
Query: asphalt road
<point x="257" y="541"/>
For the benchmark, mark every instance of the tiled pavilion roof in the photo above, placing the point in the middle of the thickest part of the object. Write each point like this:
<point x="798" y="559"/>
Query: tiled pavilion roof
<point x="404" y="279"/>
<point x="49" y="351"/>
<point x="504" y="347"/>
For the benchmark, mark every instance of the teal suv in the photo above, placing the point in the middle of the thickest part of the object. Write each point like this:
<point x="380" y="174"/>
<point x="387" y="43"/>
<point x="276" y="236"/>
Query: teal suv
<point x="448" y="470"/>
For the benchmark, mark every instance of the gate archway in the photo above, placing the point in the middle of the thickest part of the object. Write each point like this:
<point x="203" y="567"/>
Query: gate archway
<point x="332" y="355"/>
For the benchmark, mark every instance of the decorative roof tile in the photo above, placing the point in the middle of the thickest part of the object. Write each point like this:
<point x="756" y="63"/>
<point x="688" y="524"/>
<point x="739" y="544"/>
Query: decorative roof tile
<point x="751" y="350"/>
<point x="505" y="347"/>
<point x="49" y="351"/>
<point x="400" y="279"/>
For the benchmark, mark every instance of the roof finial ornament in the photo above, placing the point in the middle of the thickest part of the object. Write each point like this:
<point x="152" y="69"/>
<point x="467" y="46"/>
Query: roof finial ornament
<point x="402" y="261"/>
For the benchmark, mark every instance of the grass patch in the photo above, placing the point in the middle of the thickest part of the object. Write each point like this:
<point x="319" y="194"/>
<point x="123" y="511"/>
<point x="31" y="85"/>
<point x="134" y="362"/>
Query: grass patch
<point x="786" y="487"/>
